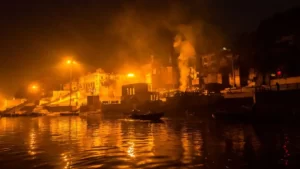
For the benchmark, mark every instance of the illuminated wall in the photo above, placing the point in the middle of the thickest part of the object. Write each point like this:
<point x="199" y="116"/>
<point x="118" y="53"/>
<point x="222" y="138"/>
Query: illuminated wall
<point x="12" y="103"/>
<point x="74" y="86"/>
<point x="90" y="84"/>
<point x="58" y="94"/>
<point x="108" y="86"/>
<point x="164" y="78"/>
<point x="213" y="78"/>
<point x="236" y="79"/>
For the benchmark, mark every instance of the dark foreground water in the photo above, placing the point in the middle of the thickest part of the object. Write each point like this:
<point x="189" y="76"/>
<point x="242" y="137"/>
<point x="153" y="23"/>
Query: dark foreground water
<point x="97" y="142"/>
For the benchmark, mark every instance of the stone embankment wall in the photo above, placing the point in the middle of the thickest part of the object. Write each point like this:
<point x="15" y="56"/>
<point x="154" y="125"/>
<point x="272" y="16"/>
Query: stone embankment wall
<point x="285" y="101"/>
<point x="278" y="97"/>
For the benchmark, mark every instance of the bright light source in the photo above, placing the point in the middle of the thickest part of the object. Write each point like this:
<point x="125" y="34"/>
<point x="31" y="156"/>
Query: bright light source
<point x="224" y="48"/>
<point x="70" y="62"/>
<point x="130" y="75"/>
<point x="279" y="73"/>
<point x="33" y="88"/>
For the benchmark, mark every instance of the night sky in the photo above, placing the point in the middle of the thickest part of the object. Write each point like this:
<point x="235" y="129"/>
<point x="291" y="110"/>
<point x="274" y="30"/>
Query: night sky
<point x="36" y="36"/>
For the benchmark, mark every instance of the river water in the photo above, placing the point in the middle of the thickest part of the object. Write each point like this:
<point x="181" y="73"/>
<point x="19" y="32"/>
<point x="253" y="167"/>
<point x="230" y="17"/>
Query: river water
<point x="101" y="142"/>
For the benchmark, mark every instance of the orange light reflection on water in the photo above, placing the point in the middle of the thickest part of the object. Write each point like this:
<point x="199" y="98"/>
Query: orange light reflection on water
<point x="74" y="140"/>
<point x="32" y="142"/>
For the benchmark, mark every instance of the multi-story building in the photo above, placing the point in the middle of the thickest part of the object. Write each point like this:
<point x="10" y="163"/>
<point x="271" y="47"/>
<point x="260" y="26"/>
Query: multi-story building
<point x="75" y="86"/>
<point x="164" y="76"/>
<point x="108" y="86"/>
<point x="220" y="68"/>
<point x="90" y="83"/>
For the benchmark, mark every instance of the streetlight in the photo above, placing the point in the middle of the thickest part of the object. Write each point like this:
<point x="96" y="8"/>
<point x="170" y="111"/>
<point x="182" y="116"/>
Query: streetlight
<point x="33" y="88"/>
<point x="130" y="75"/>
<point x="71" y="63"/>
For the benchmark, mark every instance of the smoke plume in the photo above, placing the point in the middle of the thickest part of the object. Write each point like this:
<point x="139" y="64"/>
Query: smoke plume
<point x="142" y="29"/>
<point x="183" y="44"/>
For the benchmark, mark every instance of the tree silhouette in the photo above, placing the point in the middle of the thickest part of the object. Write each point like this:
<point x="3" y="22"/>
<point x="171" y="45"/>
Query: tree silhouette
<point x="273" y="45"/>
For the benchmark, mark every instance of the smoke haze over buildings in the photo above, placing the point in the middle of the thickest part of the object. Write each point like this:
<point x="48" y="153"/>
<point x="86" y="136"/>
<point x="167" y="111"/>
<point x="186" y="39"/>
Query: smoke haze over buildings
<point x="144" y="33"/>
<point x="107" y="34"/>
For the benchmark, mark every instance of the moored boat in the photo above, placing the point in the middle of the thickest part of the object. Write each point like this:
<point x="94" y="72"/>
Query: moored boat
<point x="53" y="114"/>
<point x="91" y="112"/>
<point x="69" y="113"/>
<point x="13" y="114"/>
<point x="9" y="115"/>
<point x="34" y="114"/>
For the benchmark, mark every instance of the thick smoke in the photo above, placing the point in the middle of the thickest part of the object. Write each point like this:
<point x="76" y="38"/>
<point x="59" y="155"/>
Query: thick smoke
<point x="140" y="34"/>
<point x="142" y="30"/>
<point x="183" y="44"/>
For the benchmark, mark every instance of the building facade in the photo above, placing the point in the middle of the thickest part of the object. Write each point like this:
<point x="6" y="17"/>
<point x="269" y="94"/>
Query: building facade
<point x="108" y="86"/>
<point x="219" y="68"/>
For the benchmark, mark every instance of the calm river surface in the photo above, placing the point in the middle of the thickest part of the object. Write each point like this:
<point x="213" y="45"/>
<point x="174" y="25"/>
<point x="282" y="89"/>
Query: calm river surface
<point x="98" y="142"/>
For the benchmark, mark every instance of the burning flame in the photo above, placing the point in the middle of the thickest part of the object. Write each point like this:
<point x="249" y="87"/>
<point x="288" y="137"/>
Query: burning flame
<point x="186" y="52"/>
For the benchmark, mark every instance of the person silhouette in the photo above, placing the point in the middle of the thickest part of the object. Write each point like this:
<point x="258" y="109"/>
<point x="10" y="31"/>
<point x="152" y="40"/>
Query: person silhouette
<point x="277" y="86"/>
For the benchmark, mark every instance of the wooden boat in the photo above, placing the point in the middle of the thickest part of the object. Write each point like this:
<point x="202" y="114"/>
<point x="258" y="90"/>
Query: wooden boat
<point x="137" y="115"/>
<point x="53" y="114"/>
<point x="34" y="114"/>
<point x="14" y="114"/>
<point x="9" y="115"/>
<point x="69" y="113"/>
<point x="40" y="110"/>
<point x="91" y="112"/>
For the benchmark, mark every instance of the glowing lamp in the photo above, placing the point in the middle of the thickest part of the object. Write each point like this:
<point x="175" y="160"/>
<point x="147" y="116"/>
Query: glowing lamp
<point x="130" y="75"/>
<point x="71" y="62"/>
<point x="33" y="88"/>
<point x="279" y="73"/>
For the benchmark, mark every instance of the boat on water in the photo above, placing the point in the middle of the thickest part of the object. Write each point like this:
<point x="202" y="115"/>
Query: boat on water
<point x="10" y="115"/>
<point x="34" y="114"/>
<point x="138" y="115"/>
<point x="69" y="113"/>
<point x="22" y="114"/>
<point x="40" y="109"/>
<point x="86" y="113"/>
<point x="53" y="114"/>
